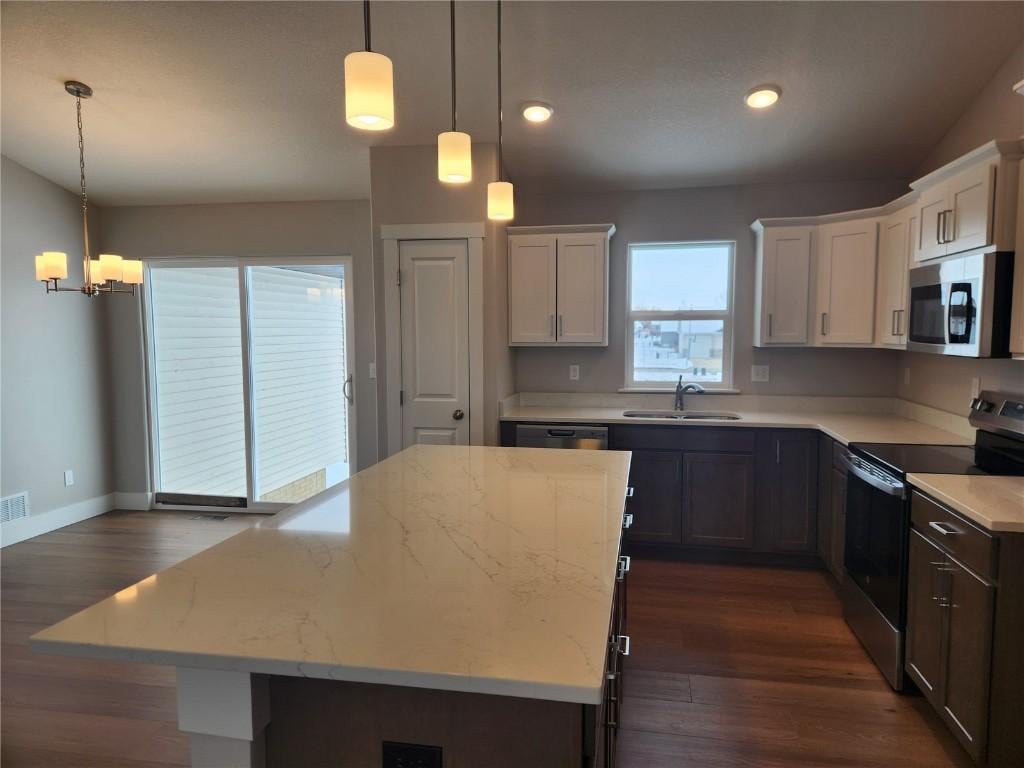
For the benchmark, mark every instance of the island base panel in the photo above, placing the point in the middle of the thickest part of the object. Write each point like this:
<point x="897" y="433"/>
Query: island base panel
<point x="225" y="715"/>
<point x="328" y="722"/>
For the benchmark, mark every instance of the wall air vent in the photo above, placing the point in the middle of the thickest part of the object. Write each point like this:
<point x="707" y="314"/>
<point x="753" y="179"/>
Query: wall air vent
<point x="14" y="507"/>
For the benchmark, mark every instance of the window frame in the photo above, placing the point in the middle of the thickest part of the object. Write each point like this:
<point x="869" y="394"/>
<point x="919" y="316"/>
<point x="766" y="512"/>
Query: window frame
<point x="726" y="316"/>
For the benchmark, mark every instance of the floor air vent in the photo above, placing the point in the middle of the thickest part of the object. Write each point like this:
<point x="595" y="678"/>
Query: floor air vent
<point x="14" y="507"/>
<point x="210" y="517"/>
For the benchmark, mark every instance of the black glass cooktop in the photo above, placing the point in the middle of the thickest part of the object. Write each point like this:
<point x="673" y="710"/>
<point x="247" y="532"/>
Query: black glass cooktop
<point x="992" y="455"/>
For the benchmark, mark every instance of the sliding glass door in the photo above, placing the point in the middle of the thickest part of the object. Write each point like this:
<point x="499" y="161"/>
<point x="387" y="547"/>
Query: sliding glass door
<point x="250" y="374"/>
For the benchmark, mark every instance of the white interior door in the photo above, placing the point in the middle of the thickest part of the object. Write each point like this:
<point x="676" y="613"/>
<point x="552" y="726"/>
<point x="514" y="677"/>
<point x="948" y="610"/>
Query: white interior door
<point x="435" y="341"/>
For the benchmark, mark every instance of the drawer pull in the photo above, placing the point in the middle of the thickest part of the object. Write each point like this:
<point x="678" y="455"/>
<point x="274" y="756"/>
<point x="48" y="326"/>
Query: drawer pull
<point x="624" y="563"/>
<point x="618" y="644"/>
<point x="627" y="520"/>
<point x="944" y="528"/>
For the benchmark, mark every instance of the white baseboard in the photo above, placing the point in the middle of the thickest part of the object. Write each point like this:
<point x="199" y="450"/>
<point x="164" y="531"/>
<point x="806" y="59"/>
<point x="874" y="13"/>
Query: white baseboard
<point x="36" y="525"/>
<point x="130" y="500"/>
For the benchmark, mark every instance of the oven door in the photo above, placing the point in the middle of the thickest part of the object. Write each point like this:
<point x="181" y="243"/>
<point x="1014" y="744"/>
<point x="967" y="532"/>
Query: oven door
<point x="877" y="528"/>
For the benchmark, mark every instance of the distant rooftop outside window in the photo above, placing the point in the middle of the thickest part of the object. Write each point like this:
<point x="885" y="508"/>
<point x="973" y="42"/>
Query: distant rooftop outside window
<point x="680" y="314"/>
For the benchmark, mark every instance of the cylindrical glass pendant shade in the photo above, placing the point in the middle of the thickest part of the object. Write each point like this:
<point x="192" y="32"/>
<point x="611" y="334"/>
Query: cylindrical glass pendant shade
<point x="369" y="91"/>
<point x="52" y="264"/>
<point x="111" y="266"/>
<point x="454" y="157"/>
<point x="500" y="201"/>
<point x="131" y="272"/>
<point x="96" y="276"/>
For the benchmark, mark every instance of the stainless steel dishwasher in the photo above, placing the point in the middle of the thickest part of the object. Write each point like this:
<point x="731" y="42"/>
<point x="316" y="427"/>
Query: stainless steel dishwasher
<point x="562" y="436"/>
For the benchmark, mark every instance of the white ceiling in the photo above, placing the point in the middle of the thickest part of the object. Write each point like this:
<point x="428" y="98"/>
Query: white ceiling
<point x="237" y="101"/>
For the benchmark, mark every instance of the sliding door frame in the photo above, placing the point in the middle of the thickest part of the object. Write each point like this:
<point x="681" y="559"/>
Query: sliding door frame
<point x="245" y="318"/>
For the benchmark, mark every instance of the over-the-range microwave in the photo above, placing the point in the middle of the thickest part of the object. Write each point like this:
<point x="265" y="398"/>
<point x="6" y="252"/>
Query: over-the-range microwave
<point x="960" y="305"/>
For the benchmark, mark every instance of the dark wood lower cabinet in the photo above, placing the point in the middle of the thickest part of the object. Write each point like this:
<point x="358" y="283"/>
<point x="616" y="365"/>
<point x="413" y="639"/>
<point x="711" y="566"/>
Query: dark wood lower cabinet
<point x="718" y="500"/>
<point x="656" y="479"/>
<point x="965" y="631"/>
<point x="793" y="491"/>
<point x="837" y="506"/>
<point x="825" y="500"/>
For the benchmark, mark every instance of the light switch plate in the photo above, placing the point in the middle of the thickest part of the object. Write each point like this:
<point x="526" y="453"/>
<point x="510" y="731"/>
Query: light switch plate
<point x="574" y="373"/>
<point x="69" y="478"/>
<point x="760" y="373"/>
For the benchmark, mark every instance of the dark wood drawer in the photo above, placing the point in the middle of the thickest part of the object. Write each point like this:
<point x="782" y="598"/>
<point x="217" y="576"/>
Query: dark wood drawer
<point x="838" y="450"/>
<point x="971" y="545"/>
<point x="680" y="438"/>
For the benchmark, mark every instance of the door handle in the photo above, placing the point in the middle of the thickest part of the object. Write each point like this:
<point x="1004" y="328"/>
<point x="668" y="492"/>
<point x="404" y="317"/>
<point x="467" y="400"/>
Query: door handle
<point x="346" y="389"/>
<point x="457" y="414"/>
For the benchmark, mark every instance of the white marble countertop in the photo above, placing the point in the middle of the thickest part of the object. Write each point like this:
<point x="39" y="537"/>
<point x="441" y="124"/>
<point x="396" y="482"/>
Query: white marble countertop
<point x="994" y="502"/>
<point x="487" y="570"/>
<point x="845" y="427"/>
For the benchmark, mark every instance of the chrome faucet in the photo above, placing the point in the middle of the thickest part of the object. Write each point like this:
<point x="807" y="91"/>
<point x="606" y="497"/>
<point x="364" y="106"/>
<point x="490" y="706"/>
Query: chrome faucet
<point x="683" y="389"/>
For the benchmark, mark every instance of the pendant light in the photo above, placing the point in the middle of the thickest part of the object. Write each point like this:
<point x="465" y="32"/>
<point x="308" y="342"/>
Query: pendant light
<point x="454" y="148"/>
<point x="98" y="274"/>
<point x="500" y="198"/>
<point x="369" y="85"/>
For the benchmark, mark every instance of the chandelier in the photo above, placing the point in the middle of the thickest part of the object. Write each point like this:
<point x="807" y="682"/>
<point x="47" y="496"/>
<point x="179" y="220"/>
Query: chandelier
<point x="99" y="275"/>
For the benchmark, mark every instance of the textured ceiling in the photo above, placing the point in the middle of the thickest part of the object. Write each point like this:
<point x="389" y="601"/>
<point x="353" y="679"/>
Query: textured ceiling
<point x="236" y="101"/>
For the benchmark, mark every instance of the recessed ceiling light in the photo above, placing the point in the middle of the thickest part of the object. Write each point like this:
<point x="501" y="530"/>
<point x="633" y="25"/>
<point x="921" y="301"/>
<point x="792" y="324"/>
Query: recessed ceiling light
<point x="537" y="111"/>
<point x="763" y="96"/>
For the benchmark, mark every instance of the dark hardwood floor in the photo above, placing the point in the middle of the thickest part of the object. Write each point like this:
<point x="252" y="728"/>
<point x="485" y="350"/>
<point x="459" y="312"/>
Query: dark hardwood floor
<point x="731" y="666"/>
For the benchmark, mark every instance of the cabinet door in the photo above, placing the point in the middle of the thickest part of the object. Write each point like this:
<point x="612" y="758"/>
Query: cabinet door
<point x="970" y="609"/>
<point x="838" y="524"/>
<point x="825" y="500"/>
<point x="970" y="196"/>
<point x="846" y="282"/>
<point x="718" y="500"/>
<point x="794" y="492"/>
<point x="656" y="478"/>
<point x="582" y="289"/>
<point x="931" y="234"/>
<point x="786" y="275"/>
<point x="531" y="289"/>
<point x="894" y="248"/>
<point x="925" y="615"/>
<point x="1017" y="302"/>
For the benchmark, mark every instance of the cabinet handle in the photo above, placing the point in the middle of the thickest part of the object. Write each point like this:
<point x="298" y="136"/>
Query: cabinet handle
<point x="823" y="316"/>
<point x="627" y="521"/>
<point x="624" y="564"/>
<point x="561" y="326"/>
<point x="944" y="528"/>
<point x="618" y="644"/>
<point x="770" y="333"/>
<point x="947" y="235"/>
<point x="892" y="326"/>
<point x="551" y="324"/>
<point x="938" y="227"/>
<point x="778" y="451"/>
<point x="629" y="491"/>
<point x="899" y="322"/>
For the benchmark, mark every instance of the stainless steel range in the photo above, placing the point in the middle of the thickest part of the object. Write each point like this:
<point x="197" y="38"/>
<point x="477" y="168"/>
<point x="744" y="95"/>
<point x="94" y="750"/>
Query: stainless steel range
<point x="878" y="518"/>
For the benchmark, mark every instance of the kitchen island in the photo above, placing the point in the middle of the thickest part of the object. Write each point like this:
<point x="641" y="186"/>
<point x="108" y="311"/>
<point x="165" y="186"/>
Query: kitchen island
<point x="454" y="597"/>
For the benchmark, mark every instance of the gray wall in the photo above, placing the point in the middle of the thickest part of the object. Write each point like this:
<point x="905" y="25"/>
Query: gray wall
<point x="324" y="228"/>
<point x="945" y="382"/>
<point x="713" y="213"/>
<point x="404" y="190"/>
<point x="54" y="393"/>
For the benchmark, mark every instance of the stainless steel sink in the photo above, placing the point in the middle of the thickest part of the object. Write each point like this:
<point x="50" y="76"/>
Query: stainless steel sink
<point x="683" y="415"/>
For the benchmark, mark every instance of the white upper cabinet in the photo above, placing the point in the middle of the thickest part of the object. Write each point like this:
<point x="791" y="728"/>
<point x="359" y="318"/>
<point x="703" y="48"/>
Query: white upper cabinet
<point x="531" y="289"/>
<point x="558" y="285"/>
<point x="969" y="203"/>
<point x="847" y="258"/>
<point x="893" y="264"/>
<point x="782" y="294"/>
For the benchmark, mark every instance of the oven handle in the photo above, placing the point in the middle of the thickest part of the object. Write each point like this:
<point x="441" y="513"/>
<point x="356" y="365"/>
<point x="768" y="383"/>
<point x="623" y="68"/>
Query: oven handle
<point x="892" y="489"/>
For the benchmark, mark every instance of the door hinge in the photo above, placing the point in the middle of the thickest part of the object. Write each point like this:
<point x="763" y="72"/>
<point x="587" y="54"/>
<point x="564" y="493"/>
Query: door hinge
<point x="398" y="278"/>
<point x="401" y="397"/>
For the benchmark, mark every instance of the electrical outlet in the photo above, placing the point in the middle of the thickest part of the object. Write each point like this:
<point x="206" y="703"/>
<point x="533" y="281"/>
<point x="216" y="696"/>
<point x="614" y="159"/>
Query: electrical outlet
<point x="574" y="373"/>
<point x="69" y="478"/>
<point x="760" y="373"/>
<point x="373" y="371"/>
<point x="398" y="755"/>
<point x="975" y="387"/>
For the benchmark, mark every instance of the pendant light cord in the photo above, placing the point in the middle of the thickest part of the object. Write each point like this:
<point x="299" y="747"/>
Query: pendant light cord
<point x="366" y="24"/>
<point x="501" y="165"/>
<point x="454" y="112"/>
<point x="85" y="196"/>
